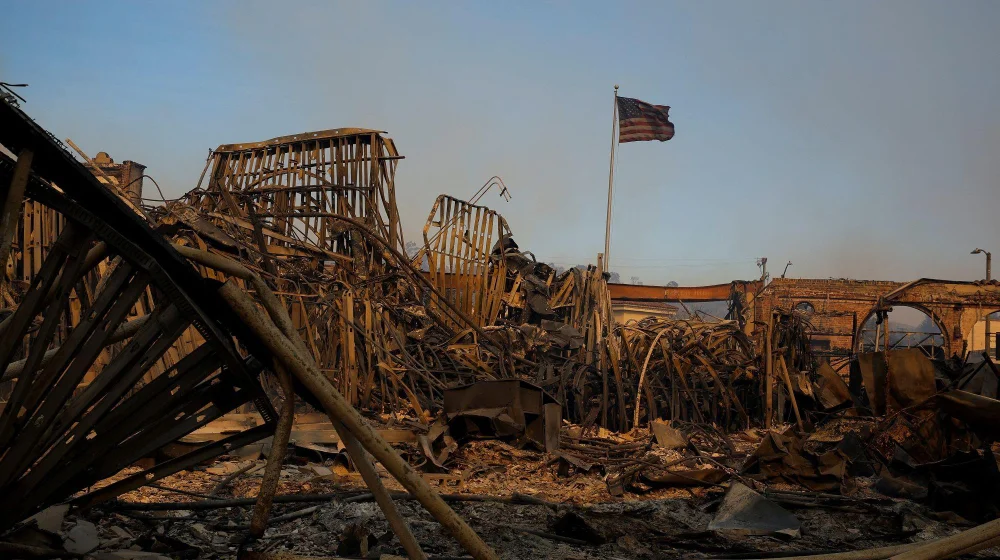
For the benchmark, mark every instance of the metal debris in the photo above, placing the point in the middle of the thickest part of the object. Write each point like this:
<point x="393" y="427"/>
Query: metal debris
<point x="509" y="408"/>
<point x="745" y="512"/>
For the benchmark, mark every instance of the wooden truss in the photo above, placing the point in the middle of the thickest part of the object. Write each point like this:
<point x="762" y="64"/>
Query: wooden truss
<point x="104" y="372"/>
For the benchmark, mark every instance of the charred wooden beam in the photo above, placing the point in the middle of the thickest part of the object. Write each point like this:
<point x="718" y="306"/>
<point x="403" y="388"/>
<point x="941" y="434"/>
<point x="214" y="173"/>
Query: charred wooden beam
<point x="84" y="405"/>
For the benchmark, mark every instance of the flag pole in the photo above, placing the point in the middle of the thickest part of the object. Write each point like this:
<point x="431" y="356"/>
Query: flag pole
<point x="611" y="183"/>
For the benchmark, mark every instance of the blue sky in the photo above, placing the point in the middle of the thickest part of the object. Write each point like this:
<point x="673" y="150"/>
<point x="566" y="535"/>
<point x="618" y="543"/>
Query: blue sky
<point x="856" y="139"/>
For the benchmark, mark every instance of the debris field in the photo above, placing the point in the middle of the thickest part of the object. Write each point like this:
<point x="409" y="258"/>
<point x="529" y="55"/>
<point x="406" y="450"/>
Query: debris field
<point x="260" y="369"/>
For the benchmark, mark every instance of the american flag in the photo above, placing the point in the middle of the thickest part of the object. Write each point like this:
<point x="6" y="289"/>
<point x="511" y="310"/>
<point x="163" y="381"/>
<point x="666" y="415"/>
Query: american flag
<point x="639" y="121"/>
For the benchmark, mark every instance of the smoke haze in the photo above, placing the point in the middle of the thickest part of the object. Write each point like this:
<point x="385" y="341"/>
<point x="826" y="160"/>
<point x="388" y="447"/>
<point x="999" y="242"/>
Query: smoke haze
<point x="856" y="139"/>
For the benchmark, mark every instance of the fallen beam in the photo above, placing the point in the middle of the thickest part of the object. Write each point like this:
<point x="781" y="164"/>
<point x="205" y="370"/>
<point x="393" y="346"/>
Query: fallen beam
<point x="280" y="318"/>
<point x="127" y="330"/>
<point x="340" y="411"/>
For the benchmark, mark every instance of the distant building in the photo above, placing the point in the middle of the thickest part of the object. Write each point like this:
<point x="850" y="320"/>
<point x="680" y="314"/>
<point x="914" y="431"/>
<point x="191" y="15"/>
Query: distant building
<point x="977" y="340"/>
<point x="625" y="311"/>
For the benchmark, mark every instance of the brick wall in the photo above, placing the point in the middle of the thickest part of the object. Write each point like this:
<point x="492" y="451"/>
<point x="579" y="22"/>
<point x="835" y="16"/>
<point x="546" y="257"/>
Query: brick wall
<point x="838" y="307"/>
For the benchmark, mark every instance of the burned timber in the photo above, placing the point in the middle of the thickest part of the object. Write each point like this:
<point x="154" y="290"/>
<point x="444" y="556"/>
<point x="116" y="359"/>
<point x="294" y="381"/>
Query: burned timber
<point x="259" y="369"/>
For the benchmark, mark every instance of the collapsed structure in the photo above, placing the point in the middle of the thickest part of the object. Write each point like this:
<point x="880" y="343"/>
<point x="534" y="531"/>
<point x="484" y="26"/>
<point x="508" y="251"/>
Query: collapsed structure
<point x="125" y="328"/>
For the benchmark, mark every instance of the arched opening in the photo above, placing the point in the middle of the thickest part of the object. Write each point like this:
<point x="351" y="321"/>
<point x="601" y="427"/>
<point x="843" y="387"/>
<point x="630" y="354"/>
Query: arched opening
<point x="979" y="334"/>
<point x="902" y="327"/>
<point x="805" y="308"/>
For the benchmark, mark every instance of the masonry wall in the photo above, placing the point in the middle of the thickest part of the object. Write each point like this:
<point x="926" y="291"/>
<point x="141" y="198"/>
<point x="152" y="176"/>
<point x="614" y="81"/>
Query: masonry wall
<point x="836" y="308"/>
<point x="840" y="307"/>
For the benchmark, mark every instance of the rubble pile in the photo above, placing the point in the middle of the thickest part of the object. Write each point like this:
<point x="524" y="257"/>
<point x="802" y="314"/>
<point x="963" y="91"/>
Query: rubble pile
<point x="391" y="336"/>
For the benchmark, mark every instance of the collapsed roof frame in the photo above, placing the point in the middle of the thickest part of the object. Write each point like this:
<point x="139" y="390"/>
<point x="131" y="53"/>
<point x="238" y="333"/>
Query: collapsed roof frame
<point x="60" y="432"/>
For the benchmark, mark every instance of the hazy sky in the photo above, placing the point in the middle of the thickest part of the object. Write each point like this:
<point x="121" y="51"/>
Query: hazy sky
<point x="856" y="139"/>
